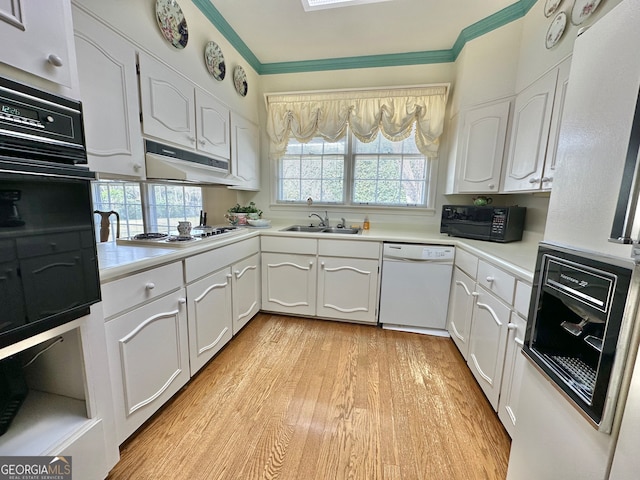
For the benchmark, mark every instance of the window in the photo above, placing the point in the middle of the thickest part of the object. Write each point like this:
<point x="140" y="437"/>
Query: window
<point x="351" y="172"/>
<point x="158" y="207"/>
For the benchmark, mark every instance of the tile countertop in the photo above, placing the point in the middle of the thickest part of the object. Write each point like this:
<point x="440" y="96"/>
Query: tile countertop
<point x="517" y="258"/>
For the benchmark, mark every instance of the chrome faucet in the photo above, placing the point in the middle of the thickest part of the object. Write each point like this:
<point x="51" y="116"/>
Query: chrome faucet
<point x="324" y="222"/>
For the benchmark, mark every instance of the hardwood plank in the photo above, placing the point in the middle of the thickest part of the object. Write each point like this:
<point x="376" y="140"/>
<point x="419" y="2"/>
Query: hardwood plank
<point x="296" y="398"/>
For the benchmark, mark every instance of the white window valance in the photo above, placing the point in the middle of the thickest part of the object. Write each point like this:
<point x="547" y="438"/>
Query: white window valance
<point x="393" y="112"/>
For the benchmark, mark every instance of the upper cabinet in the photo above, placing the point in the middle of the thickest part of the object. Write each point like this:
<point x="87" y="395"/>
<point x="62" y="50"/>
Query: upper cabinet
<point x="245" y="161"/>
<point x="481" y="147"/>
<point x="37" y="38"/>
<point x="536" y="123"/>
<point x="175" y="110"/>
<point x="107" y="63"/>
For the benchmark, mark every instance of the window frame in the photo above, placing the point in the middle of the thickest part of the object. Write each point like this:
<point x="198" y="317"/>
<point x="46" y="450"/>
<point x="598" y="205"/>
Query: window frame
<point x="431" y="182"/>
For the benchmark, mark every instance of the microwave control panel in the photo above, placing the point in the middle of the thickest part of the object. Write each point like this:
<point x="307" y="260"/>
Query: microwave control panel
<point x="498" y="221"/>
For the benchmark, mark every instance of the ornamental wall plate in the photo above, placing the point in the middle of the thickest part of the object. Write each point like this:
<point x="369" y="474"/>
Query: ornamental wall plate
<point x="172" y="23"/>
<point x="551" y="6"/>
<point x="214" y="60"/>
<point x="582" y="10"/>
<point x="556" y="29"/>
<point x="240" y="81"/>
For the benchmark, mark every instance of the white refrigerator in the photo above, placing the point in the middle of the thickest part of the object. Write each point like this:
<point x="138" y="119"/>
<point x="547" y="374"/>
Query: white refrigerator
<point x="552" y="439"/>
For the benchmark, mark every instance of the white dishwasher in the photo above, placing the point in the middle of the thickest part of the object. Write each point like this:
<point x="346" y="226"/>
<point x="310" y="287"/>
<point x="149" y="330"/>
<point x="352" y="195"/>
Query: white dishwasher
<point x="414" y="296"/>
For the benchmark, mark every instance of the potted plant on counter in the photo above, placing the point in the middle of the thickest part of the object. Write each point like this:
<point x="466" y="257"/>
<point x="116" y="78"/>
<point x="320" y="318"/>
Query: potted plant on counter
<point x="238" y="214"/>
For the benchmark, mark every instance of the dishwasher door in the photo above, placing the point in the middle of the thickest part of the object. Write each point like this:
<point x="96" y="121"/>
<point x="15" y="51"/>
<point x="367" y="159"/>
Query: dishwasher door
<point x="414" y="294"/>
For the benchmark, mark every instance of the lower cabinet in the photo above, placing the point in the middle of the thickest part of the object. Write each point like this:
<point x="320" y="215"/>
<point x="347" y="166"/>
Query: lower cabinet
<point x="487" y="343"/>
<point x="148" y="359"/>
<point x="246" y="291"/>
<point x="210" y="321"/>
<point x="460" y="312"/>
<point x="289" y="283"/>
<point x="336" y="279"/>
<point x="514" y="363"/>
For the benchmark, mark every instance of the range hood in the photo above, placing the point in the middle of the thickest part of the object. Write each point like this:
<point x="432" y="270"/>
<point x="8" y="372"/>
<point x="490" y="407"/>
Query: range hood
<point x="165" y="162"/>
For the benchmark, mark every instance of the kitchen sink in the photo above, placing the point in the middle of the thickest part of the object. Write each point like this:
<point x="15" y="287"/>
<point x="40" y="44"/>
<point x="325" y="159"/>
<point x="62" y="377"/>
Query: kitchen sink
<point x="319" y="229"/>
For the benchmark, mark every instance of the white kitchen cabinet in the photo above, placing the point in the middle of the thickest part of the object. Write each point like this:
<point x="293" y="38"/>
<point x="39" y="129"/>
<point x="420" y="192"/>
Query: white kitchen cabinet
<point x="175" y="110"/>
<point x="289" y="283"/>
<point x="533" y="142"/>
<point x="210" y="317"/>
<point x="148" y="359"/>
<point x="514" y="363"/>
<point x="37" y="37"/>
<point x="487" y="343"/>
<point x="245" y="158"/>
<point x="481" y="147"/>
<point x="460" y="311"/>
<point x="246" y="287"/>
<point x="107" y="63"/>
<point x="347" y="288"/>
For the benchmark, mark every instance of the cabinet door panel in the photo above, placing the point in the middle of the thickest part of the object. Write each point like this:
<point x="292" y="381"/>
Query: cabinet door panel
<point x="289" y="283"/>
<point x="347" y="288"/>
<point x="460" y="310"/>
<point x="35" y="40"/>
<point x="245" y="152"/>
<point x="212" y="119"/>
<point x="148" y="359"/>
<point x="513" y="370"/>
<point x="168" y="103"/>
<point x="487" y="343"/>
<point x="530" y="133"/>
<point x="210" y="326"/>
<point x="246" y="291"/>
<point x="107" y="63"/>
<point x="482" y="147"/>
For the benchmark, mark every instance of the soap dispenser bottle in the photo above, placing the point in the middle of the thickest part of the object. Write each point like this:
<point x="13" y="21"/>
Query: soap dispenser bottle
<point x="365" y="224"/>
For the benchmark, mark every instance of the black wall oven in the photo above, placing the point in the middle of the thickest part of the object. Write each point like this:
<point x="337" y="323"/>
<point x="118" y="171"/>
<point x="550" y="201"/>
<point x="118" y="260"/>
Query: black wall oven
<point x="48" y="261"/>
<point x="577" y="333"/>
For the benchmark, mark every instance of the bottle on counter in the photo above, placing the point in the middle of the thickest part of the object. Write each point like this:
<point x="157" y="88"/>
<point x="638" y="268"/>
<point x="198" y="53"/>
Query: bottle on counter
<point x="365" y="224"/>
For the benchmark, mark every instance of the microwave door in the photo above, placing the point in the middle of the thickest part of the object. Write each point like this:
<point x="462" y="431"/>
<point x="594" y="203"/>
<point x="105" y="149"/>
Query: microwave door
<point x="625" y="224"/>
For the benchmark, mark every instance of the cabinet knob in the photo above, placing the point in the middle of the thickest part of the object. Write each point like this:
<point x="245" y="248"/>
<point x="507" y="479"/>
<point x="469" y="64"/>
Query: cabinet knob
<point x="150" y="286"/>
<point x="182" y="301"/>
<point x="192" y="139"/>
<point x="229" y="276"/>
<point x="547" y="179"/>
<point x="475" y="294"/>
<point x="237" y="272"/>
<point x="311" y="263"/>
<point x="534" y="180"/>
<point x="491" y="186"/>
<point x="511" y="326"/>
<point x="54" y="60"/>
<point x="322" y="264"/>
<point x="137" y="166"/>
<point x="202" y="142"/>
<point x="490" y="279"/>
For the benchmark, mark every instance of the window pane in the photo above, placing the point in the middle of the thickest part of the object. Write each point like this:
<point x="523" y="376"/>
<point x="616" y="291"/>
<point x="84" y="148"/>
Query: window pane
<point x="170" y="204"/>
<point x="123" y="198"/>
<point x="316" y="170"/>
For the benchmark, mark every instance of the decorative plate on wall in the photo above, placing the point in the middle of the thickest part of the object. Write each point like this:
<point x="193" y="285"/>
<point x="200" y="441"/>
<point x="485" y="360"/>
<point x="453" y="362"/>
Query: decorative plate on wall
<point x="240" y="80"/>
<point x="551" y="6"/>
<point x="172" y="23"/>
<point x="556" y="29"/>
<point x="582" y="10"/>
<point x="214" y="60"/>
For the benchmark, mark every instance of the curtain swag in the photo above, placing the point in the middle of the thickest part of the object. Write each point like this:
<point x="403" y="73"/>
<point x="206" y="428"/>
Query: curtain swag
<point x="366" y="112"/>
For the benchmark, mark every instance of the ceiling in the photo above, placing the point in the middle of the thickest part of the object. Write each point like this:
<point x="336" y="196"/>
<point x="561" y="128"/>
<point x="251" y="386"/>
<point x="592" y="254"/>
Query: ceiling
<point x="278" y="35"/>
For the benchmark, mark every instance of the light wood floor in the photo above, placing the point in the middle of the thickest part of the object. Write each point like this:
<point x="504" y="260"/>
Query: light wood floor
<point x="306" y="399"/>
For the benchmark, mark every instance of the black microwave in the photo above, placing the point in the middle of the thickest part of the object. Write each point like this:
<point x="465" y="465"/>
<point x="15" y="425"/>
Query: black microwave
<point x="493" y="224"/>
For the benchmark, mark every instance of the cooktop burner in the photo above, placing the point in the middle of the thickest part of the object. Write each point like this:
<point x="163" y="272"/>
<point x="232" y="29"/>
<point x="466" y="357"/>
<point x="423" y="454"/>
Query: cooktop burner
<point x="180" y="238"/>
<point x="150" y="236"/>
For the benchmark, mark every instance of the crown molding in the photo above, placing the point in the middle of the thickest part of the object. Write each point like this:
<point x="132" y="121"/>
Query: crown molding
<point x="507" y="15"/>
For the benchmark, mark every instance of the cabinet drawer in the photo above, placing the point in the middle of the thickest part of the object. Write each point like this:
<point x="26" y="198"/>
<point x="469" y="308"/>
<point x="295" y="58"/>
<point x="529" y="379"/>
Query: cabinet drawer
<point x="303" y="246"/>
<point x="522" y="298"/>
<point x="126" y="293"/>
<point x="496" y="281"/>
<point x="48" y="244"/>
<point x="349" y="248"/>
<point x="213" y="260"/>
<point x="466" y="262"/>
